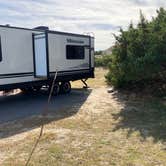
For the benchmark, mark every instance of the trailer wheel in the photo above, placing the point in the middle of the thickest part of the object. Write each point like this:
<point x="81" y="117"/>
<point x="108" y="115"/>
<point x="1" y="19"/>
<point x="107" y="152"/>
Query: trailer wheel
<point x="37" y="88"/>
<point x="27" y="90"/>
<point x="56" y="89"/>
<point x="65" y="87"/>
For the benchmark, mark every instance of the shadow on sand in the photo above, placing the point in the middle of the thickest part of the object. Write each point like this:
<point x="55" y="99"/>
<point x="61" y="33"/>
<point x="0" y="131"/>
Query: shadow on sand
<point x="22" y="112"/>
<point x="143" y="114"/>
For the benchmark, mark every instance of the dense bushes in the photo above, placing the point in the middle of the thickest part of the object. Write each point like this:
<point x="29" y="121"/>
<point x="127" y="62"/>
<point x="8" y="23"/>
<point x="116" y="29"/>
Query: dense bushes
<point x="139" y="54"/>
<point x="102" y="61"/>
<point x="98" y="52"/>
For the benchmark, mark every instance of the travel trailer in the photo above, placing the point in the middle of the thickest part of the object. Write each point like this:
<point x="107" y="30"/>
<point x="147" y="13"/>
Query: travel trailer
<point x="29" y="58"/>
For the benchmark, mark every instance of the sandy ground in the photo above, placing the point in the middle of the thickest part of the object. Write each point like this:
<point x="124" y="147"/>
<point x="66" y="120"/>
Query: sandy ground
<point x="99" y="129"/>
<point x="16" y="132"/>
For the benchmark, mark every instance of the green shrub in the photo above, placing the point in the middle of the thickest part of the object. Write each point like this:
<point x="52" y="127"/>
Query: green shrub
<point x="140" y="52"/>
<point x="103" y="61"/>
<point x="98" y="52"/>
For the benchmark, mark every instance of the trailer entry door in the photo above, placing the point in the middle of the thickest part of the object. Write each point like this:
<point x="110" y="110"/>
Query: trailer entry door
<point x="40" y="55"/>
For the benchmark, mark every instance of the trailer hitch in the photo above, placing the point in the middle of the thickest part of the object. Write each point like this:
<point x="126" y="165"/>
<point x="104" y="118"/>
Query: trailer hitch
<point x="85" y="84"/>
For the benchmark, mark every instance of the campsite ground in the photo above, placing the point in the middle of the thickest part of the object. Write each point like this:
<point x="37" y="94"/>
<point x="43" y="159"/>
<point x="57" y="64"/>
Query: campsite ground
<point x="119" y="128"/>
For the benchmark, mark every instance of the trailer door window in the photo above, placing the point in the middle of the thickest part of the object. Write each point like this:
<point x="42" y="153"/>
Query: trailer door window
<point x="0" y="50"/>
<point x="75" y="52"/>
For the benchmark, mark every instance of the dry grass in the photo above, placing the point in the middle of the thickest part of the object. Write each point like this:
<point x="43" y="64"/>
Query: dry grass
<point x="98" y="82"/>
<point x="109" y="129"/>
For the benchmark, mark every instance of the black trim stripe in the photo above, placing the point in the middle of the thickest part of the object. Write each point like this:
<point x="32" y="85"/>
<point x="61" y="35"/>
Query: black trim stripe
<point x="20" y="28"/>
<point x="47" y="55"/>
<point x="33" y="47"/>
<point x="66" y="33"/>
<point x="69" y="71"/>
<point x="90" y="53"/>
<point x="15" y="75"/>
<point x="65" y="73"/>
<point x="0" y="50"/>
<point x="12" y="74"/>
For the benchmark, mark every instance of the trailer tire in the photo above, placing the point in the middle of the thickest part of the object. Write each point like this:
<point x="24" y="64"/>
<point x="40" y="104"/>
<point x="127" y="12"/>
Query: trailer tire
<point x="56" y="89"/>
<point x="65" y="87"/>
<point x="27" y="90"/>
<point x="37" y="88"/>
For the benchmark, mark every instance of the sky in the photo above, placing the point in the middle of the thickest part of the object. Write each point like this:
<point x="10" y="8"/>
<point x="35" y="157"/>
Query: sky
<point x="101" y="18"/>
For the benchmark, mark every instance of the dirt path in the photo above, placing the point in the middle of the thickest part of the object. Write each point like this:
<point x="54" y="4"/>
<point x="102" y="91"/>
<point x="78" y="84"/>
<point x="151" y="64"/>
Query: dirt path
<point x="16" y="132"/>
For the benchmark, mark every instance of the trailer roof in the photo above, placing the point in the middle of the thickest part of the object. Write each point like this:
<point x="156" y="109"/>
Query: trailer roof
<point x="48" y="31"/>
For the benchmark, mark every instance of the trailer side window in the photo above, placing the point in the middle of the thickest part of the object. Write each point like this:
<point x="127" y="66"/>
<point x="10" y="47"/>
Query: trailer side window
<point x="75" y="52"/>
<point x="0" y="50"/>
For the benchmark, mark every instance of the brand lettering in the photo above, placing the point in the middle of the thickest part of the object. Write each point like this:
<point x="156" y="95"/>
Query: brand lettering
<point x="75" y="41"/>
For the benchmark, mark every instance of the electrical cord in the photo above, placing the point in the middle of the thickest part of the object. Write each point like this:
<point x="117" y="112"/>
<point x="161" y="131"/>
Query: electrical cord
<point x="45" y="112"/>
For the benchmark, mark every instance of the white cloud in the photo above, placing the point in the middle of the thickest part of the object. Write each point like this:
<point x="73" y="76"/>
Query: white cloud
<point x="103" y="17"/>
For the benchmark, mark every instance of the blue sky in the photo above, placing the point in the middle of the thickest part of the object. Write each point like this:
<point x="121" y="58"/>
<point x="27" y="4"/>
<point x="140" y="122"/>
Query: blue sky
<point x="102" y="17"/>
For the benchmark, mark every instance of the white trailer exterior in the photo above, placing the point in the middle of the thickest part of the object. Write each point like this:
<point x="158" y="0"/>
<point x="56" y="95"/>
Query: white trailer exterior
<point x="30" y="57"/>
